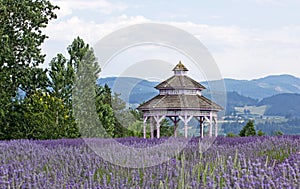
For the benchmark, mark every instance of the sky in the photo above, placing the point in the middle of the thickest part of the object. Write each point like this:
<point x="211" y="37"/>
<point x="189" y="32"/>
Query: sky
<point x="247" y="39"/>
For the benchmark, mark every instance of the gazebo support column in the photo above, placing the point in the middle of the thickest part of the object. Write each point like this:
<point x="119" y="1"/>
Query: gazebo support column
<point x="175" y="120"/>
<point x="210" y="124"/>
<point x="144" y="125"/>
<point x="151" y="128"/>
<point x="202" y="128"/>
<point x="201" y="121"/>
<point x="186" y="120"/>
<point x="216" y="126"/>
<point x="158" y="119"/>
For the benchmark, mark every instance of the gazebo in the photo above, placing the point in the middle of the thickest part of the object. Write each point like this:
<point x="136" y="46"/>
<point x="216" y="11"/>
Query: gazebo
<point x="180" y="99"/>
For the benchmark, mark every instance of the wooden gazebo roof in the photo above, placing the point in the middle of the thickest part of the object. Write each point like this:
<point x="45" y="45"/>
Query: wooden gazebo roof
<point x="180" y="82"/>
<point x="178" y="102"/>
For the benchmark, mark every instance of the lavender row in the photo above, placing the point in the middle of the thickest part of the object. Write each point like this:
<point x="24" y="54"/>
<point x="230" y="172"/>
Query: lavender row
<point x="251" y="162"/>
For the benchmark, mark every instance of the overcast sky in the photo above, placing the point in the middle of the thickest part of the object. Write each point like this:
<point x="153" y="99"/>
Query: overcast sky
<point x="248" y="39"/>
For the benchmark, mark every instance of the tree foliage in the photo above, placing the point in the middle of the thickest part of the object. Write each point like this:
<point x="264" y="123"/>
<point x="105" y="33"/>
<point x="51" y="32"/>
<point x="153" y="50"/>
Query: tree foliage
<point x="63" y="74"/>
<point x="260" y="133"/>
<point x="230" y="134"/>
<point x="84" y="92"/>
<point x="248" y="129"/>
<point x="67" y="102"/>
<point x="104" y="109"/>
<point x="278" y="133"/>
<point x="52" y="118"/>
<point x="21" y="36"/>
<point x="61" y="79"/>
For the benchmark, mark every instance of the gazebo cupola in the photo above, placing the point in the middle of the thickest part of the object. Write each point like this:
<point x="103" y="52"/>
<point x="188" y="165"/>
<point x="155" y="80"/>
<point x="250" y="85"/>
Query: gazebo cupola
<point x="180" y="69"/>
<point x="180" y="99"/>
<point x="180" y="83"/>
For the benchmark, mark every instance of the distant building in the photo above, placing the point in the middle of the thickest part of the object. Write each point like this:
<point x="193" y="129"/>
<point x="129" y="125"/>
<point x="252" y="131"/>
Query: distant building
<point x="180" y="99"/>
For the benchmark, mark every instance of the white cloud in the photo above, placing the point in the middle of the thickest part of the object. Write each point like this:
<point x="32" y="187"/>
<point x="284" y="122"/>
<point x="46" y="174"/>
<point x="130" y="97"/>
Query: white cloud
<point x="66" y="30"/>
<point x="67" y="7"/>
<point x="250" y="52"/>
<point x="239" y="52"/>
<point x="62" y="32"/>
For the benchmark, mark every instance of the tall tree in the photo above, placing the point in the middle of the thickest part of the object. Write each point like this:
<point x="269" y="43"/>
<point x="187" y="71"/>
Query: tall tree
<point x="248" y="129"/>
<point x="74" y="80"/>
<point x="21" y="36"/>
<point x="61" y="83"/>
<point x="51" y="118"/>
<point x="84" y="92"/>
<point x="104" y="109"/>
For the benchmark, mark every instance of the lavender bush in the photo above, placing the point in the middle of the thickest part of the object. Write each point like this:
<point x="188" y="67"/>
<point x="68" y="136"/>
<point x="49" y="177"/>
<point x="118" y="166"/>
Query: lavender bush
<point x="250" y="162"/>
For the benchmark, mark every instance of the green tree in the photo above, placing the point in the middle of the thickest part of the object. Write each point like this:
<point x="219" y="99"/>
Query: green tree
<point x="61" y="82"/>
<point x="104" y="109"/>
<point x="248" y="129"/>
<point x="21" y="37"/>
<point x="74" y="81"/>
<point x="230" y="134"/>
<point x="260" y="133"/>
<point x="84" y="91"/>
<point x="278" y="133"/>
<point x="165" y="129"/>
<point x="112" y="113"/>
<point x="63" y="71"/>
<point x="124" y="117"/>
<point x="12" y="123"/>
<point x="52" y="120"/>
<point x="90" y="102"/>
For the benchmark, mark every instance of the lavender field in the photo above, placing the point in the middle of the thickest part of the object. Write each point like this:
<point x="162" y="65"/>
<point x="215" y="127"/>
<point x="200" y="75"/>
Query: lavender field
<point x="250" y="162"/>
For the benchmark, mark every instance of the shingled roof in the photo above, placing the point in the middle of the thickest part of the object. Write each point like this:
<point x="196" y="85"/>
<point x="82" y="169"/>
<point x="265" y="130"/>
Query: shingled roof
<point x="175" y="94"/>
<point x="180" y="102"/>
<point x="180" y="82"/>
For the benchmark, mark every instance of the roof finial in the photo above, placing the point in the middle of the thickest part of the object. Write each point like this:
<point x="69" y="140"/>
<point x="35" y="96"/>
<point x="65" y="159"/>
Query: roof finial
<point x="180" y="67"/>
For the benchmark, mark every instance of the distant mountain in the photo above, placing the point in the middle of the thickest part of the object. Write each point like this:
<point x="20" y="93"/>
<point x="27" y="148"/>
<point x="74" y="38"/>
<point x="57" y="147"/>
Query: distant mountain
<point x="257" y="88"/>
<point x="234" y="99"/>
<point x="133" y="90"/>
<point x="282" y="105"/>
<point x="239" y="92"/>
<point x="264" y="87"/>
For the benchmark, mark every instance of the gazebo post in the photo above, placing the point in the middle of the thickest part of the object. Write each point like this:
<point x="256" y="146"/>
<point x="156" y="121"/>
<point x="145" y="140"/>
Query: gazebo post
<point x="175" y="125"/>
<point x="144" y="124"/>
<point x="151" y="128"/>
<point x="201" y="126"/>
<point x="210" y="124"/>
<point x="158" y="120"/>
<point x="216" y="127"/>
<point x="201" y="120"/>
<point x="157" y="130"/>
<point x="186" y="120"/>
<point x="175" y="121"/>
